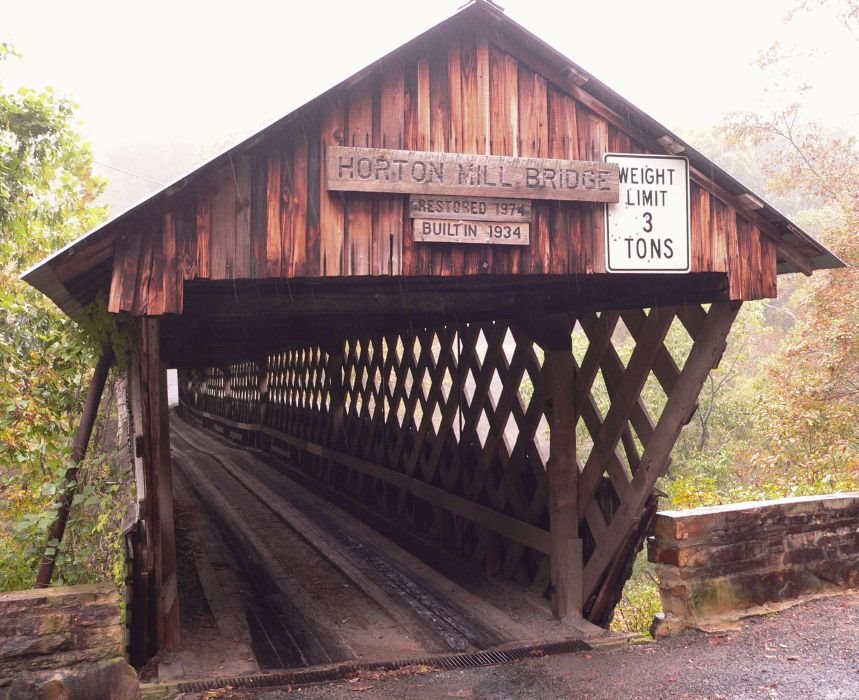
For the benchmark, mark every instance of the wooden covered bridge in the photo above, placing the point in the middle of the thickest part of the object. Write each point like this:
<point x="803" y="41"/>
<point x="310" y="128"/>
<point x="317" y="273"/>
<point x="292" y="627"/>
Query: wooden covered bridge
<point x="381" y="294"/>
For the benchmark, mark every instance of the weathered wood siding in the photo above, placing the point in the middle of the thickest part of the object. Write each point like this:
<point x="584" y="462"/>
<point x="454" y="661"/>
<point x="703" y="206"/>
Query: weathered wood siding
<point x="266" y="212"/>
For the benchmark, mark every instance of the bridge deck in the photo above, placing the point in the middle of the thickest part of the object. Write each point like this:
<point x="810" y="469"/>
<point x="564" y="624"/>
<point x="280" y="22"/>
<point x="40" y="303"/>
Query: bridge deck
<point x="293" y="581"/>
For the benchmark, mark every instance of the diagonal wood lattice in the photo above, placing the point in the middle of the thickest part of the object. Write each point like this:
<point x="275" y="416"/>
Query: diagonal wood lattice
<point x="449" y="430"/>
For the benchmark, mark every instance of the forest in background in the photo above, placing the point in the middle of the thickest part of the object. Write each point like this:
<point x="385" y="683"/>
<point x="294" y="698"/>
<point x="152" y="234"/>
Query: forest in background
<point x="778" y="417"/>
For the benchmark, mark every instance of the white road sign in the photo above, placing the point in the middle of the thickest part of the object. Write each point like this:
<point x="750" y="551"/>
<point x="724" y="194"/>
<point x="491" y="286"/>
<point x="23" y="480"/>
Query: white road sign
<point x="648" y="229"/>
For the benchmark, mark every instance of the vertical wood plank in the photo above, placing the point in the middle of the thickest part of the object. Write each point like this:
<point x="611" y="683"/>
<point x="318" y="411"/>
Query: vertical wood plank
<point x="725" y="221"/>
<point x="593" y="144"/>
<point x="259" y="216"/>
<point x="440" y="131"/>
<point x="332" y="219"/>
<point x="155" y="303"/>
<point x="297" y="211"/>
<point x="273" y="251"/>
<point x="186" y="239"/>
<point x="144" y="275"/>
<point x="422" y="253"/>
<point x="563" y="143"/>
<point x="618" y="141"/>
<point x="168" y="235"/>
<point x="388" y="235"/>
<point x="719" y="234"/>
<point x="359" y="207"/>
<point x="288" y="203"/>
<point x="242" y="238"/>
<point x="769" y="275"/>
<point x="483" y="130"/>
<point x="423" y="113"/>
<point x="757" y="270"/>
<point x="456" y="136"/>
<point x="410" y="141"/>
<point x="172" y="286"/>
<point x="204" y="235"/>
<point x="115" y="293"/>
<point x="314" y="179"/>
<point x="702" y="241"/>
<point x="474" y="63"/>
<point x="599" y="137"/>
<point x="223" y="224"/>
<point x="504" y="132"/>
<point x="745" y="261"/>
<point x="127" y="256"/>
<point x="534" y="141"/>
<point x="148" y="252"/>
<point x="584" y="221"/>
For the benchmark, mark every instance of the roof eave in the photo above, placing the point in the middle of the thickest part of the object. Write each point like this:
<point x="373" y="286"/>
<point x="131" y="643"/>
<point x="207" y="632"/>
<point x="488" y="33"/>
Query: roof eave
<point x="42" y="276"/>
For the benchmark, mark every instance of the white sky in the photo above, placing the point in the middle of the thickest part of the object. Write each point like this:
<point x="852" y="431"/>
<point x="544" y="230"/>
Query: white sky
<point x="164" y="85"/>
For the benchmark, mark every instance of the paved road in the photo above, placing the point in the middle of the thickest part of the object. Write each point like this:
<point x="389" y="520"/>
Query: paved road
<point x="809" y="651"/>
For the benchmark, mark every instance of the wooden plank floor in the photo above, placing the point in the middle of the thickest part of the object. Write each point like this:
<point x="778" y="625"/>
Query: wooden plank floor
<point x="322" y="587"/>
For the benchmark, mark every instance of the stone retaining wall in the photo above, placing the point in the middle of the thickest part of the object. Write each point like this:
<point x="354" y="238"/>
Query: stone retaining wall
<point x="64" y="643"/>
<point x="714" y="562"/>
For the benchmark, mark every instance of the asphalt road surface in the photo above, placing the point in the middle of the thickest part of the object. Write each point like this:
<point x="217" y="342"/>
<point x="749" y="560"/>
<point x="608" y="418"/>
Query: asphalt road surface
<point x="809" y="651"/>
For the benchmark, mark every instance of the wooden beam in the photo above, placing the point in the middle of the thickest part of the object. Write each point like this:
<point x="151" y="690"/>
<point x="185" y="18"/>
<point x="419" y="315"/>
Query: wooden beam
<point x="708" y="348"/>
<point x="559" y="377"/>
<point x="159" y="502"/>
<point x="623" y="402"/>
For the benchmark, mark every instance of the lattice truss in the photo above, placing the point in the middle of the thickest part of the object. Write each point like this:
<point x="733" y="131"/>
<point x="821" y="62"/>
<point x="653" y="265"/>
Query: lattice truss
<point x="455" y="408"/>
<point x="465" y="409"/>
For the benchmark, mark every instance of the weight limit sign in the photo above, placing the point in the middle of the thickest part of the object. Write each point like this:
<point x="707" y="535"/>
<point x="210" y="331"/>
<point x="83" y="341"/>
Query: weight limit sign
<point x="648" y="230"/>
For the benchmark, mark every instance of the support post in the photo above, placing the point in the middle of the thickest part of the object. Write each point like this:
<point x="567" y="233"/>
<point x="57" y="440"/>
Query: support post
<point x="155" y="573"/>
<point x="709" y="344"/>
<point x="559" y="375"/>
<point x="85" y="427"/>
<point x="159" y="432"/>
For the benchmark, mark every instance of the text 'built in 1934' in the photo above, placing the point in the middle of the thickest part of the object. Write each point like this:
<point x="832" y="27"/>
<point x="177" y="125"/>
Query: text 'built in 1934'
<point x="412" y="172"/>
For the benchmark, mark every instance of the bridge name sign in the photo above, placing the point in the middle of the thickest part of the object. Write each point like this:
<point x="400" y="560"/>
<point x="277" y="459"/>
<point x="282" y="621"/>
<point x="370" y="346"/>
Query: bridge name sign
<point x="423" y="172"/>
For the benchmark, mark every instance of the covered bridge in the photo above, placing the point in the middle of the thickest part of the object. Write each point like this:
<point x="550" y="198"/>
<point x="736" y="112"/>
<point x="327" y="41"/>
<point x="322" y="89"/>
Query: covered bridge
<point x="383" y="287"/>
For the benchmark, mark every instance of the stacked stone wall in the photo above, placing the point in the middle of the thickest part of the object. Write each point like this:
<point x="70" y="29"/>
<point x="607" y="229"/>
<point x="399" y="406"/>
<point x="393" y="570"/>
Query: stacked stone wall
<point x="713" y="562"/>
<point x="64" y="643"/>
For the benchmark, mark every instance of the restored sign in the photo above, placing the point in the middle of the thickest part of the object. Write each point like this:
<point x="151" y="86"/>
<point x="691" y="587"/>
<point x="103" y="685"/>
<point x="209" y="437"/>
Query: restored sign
<point x="649" y="229"/>
<point x="413" y="172"/>
<point x="469" y="208"/>
<point x="482" y="232"/>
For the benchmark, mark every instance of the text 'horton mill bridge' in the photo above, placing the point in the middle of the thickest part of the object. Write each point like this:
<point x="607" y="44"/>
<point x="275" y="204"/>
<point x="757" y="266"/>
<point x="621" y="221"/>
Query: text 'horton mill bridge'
<point x="382" y="288"/>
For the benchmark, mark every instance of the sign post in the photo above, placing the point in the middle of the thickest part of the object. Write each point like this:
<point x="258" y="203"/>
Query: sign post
<point x="649" y="229"/>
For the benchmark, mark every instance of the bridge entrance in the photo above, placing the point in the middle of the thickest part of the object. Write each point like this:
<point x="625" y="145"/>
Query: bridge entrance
<point x="500" y="400"/>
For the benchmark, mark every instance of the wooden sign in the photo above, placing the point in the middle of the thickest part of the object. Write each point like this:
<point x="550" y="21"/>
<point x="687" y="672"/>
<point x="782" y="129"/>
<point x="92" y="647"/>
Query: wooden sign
<point x="421" y="172"/>
<point x="480" y="232"/>
<point x="469" y="208"/>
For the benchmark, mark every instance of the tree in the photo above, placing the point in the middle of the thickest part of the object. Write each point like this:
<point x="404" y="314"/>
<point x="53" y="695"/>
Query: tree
<point x="47" y="191"/>
<point x="810" y="410"/>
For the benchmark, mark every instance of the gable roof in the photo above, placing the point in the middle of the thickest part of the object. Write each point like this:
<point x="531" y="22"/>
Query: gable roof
<point x="87" y="260"/>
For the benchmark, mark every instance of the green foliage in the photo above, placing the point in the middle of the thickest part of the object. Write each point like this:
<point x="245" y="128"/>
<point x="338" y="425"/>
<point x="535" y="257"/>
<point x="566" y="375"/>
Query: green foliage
<point x="640" y="601"/>
<point x="46" y="195"/>
<point x="788" y="425"/>
<point x="783" y="418"/>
